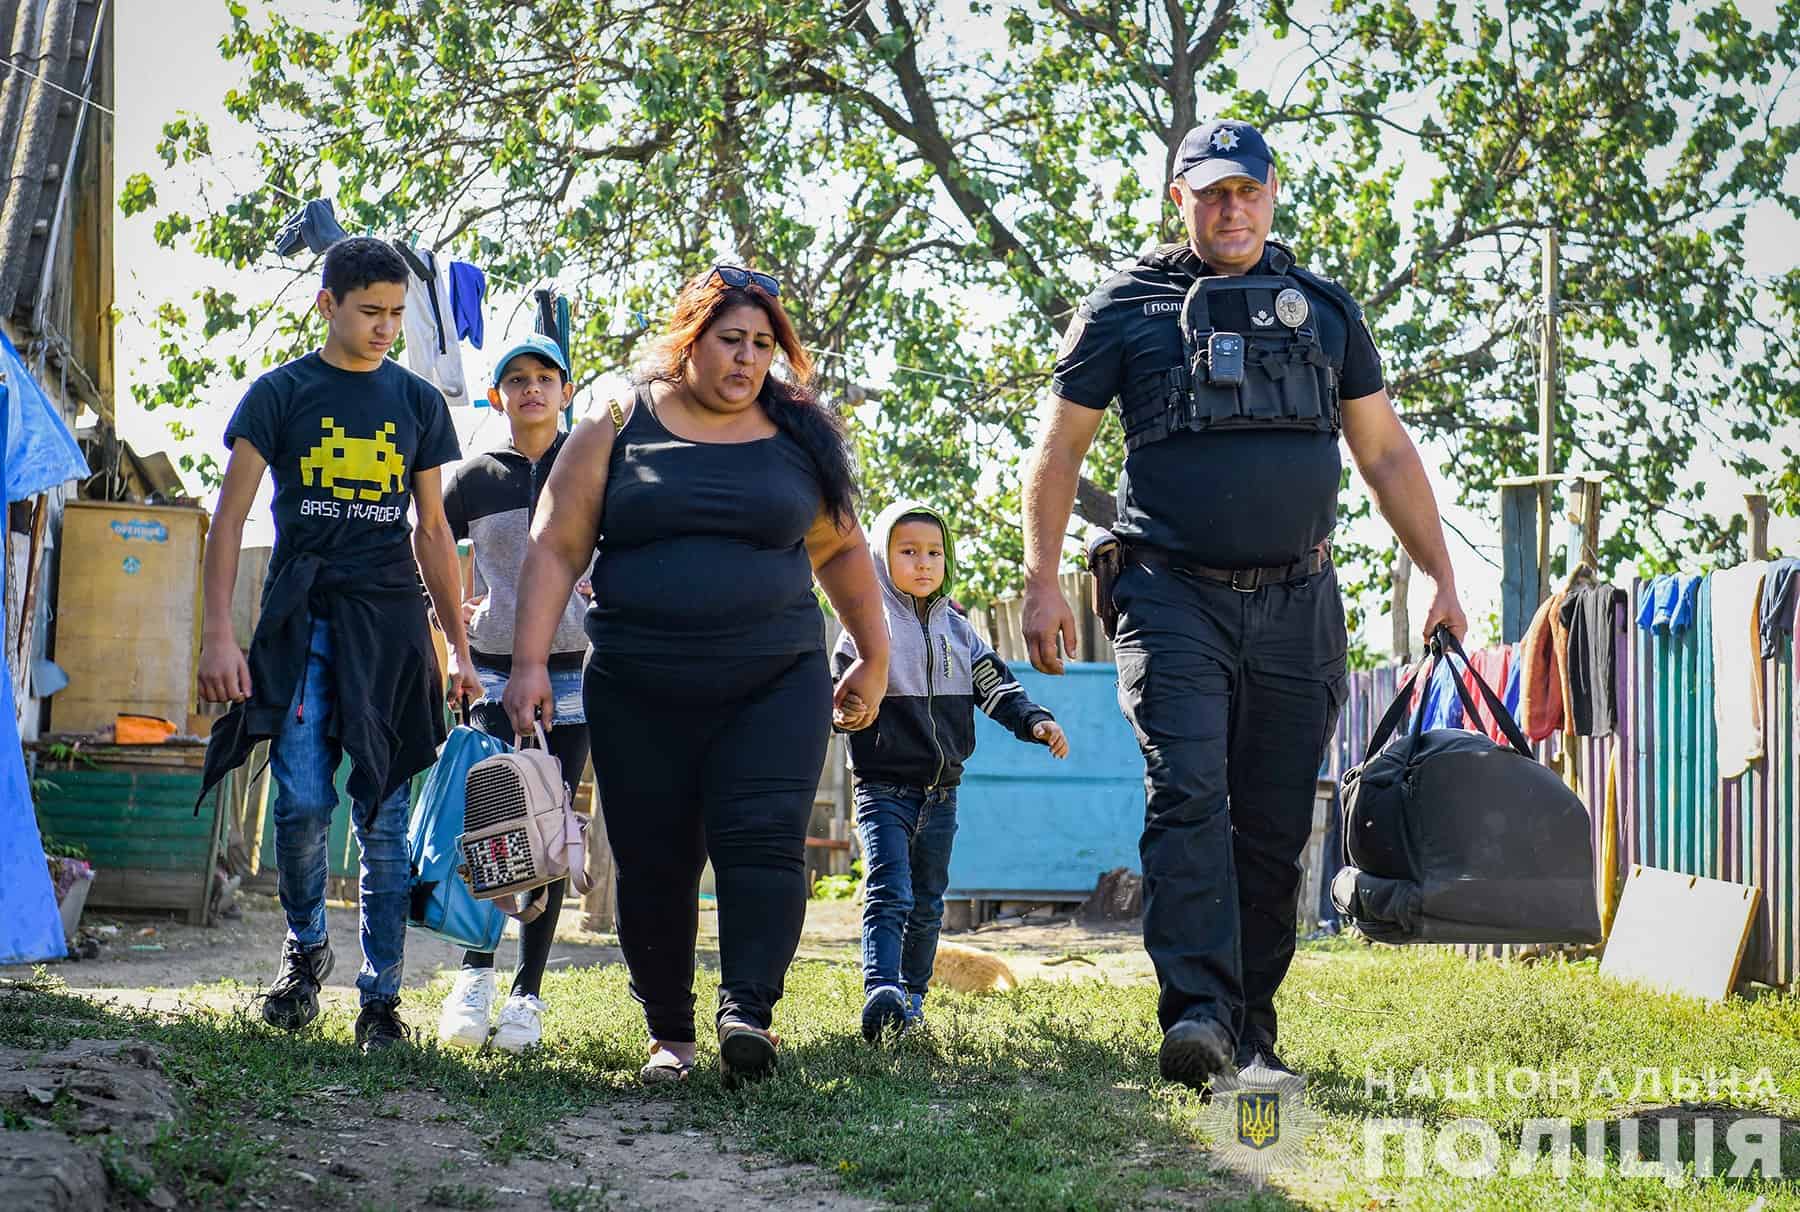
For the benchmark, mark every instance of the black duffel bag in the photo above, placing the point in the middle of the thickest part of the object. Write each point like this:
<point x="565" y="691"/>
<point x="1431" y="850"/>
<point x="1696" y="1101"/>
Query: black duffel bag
<point x="1451" y="838"/>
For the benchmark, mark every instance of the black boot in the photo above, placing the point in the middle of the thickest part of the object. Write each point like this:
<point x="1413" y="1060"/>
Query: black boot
<point x="293" y="1000"/>
<point x="1194" y="1051"/>
<point x="379" y="1028"/>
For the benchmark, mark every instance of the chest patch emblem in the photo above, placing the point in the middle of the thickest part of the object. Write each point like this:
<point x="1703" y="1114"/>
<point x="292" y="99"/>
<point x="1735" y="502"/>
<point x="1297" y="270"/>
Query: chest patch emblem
<point x="1291" y="306"/>
<point x="354" y="468"/>
<point x="1262" y="319"/>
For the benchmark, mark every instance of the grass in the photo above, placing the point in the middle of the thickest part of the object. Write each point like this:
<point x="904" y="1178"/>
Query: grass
<point x="1045" y="1097"/>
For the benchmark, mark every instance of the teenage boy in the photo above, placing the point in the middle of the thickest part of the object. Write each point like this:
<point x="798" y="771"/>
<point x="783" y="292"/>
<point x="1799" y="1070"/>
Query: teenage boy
<point x="342" y="660"/>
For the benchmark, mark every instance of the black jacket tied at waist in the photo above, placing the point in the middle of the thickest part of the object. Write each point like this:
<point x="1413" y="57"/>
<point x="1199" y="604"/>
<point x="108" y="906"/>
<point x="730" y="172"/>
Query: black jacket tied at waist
<point x="389" y="714"/>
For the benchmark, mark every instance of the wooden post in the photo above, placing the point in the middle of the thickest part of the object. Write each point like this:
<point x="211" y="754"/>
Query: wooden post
<point x="1591" y="490"/>
<point x="1402" y="622"/>
<point x="1756" y="510"/>
<point x="1547" y="380"/>
<point x="34" y="556"/>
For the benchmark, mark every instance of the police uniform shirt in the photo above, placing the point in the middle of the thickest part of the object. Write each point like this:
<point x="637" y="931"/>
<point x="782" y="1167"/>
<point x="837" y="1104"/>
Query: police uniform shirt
<point x="1240" y="498"/>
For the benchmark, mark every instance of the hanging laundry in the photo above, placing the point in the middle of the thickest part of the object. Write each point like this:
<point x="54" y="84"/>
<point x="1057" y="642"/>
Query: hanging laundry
<point x="314" y="226"/>
<point x="431" y="348"/>
<point x="1510" y="696"/>
<point x="1737" y="666"/>
<point x="1495" y="665"/>
<point x="468" y="287"/>
<point x="1442" y="707"/>
<point x="1669" y="603"/>
<point x="1588" y="615"/>
<point x="1541" y="678"/>
<point x="1778" y="604"/>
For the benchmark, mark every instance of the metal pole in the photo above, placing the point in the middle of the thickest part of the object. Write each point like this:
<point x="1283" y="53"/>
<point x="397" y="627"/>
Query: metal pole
<point x="1547" y="377"/>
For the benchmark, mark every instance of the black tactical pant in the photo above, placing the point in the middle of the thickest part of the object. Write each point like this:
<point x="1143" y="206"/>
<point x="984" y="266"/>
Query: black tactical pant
<point x="1232" y="696"/>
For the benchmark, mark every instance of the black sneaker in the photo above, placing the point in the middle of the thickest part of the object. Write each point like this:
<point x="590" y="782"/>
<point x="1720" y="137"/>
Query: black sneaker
<point x="379" y="1028"/>
<point x="1194" y="1051"/>
<point x="1257" y="1060"/>
<point x="293" y="1000"/>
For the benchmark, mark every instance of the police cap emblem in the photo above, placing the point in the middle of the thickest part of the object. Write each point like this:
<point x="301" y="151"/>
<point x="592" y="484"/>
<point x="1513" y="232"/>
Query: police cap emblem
<point x="1291" y="306"/>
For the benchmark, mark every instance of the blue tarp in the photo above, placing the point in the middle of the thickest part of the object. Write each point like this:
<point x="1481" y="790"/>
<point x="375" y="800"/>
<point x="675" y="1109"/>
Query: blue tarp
<point x="30" y="926"/>
<point x="40" y="451"/>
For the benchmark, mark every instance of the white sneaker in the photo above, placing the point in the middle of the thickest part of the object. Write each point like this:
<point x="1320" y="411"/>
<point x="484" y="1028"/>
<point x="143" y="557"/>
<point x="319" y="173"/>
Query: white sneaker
<point x="521" y="1023"/>
<point x="463" y="1022"/>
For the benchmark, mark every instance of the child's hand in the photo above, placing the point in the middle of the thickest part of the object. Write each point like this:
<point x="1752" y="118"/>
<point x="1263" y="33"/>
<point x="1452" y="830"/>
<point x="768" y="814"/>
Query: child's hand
<point x="852" y="715"/>
<point x="1050" y="733"/>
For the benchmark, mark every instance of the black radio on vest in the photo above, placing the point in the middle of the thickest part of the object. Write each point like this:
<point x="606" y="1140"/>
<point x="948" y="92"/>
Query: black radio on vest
<point x="1274" y="376"/>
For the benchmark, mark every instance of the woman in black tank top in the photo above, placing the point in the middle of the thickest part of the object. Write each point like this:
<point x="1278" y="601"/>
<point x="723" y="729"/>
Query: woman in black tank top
<point x="716" y="496"/>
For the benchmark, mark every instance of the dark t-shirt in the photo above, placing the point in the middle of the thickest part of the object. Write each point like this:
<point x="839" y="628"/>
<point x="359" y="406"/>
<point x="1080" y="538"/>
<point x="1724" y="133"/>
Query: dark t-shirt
<point x="1240" y="498"/>
<point x="703" y="546"/>
<point x="343" y="447"/>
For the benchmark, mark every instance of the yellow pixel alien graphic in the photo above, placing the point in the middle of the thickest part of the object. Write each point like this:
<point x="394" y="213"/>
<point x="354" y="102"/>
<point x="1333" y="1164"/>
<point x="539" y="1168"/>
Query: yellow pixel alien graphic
<point x="369" y="468"/>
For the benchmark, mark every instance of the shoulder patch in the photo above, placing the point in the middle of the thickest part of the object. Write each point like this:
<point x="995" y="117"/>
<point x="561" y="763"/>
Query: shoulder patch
<point x="1331" y="290"/>
<point x="1072" y="334"/>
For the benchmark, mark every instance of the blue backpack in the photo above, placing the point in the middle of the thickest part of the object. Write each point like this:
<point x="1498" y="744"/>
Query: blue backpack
<point x="441" y="902"/>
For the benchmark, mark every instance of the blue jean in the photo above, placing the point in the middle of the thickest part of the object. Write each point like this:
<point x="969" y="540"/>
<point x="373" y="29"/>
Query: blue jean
<point x="304" y="761"/>
<point x="906" y="835"/>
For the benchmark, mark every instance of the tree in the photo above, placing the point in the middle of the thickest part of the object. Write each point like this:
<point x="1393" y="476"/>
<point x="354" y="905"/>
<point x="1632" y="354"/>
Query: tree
<point x="938" y="189"/>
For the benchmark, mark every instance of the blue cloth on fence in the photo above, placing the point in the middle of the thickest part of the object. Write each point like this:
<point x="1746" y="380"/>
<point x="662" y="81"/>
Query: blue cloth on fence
<point x="468" y="287"/>
<point x="1669" y="603"/>
<point x="1777" y="617"/>
<point x="1510" y="695"/>
<point x="41" y="453"/>
<point x="30" y="923"/>
<point x="1442" y="707"/>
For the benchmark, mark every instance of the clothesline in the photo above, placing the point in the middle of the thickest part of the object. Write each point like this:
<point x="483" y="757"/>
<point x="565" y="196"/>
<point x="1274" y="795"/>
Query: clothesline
<point x="87" y="101"/>
<point x="598" y="303"/>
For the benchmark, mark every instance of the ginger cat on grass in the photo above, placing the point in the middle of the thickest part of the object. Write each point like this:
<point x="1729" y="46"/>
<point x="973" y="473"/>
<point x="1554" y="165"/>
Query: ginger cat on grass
<point x="967" y="970"/>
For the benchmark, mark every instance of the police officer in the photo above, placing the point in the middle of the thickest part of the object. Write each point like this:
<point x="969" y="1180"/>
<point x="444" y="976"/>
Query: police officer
<point x="1236" y="370"/>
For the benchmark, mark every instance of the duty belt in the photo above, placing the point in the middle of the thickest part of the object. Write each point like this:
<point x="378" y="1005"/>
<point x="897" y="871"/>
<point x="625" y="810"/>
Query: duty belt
<point x="1244" y="580"/>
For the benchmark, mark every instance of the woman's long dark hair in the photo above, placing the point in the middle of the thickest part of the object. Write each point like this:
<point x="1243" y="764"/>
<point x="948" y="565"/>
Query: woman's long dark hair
<point x="790" y="402"/>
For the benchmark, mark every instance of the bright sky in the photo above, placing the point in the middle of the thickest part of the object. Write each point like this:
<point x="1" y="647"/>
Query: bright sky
<point x="159" y="33"/>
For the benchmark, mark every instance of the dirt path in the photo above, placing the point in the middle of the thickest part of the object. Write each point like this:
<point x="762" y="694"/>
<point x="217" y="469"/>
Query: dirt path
<point x="621" y="1153"/>
<point x="157" y="964"/>
<point x="414" y="1149"/>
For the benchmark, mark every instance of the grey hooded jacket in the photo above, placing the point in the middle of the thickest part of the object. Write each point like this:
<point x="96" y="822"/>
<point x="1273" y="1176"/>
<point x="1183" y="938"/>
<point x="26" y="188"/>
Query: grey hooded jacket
<point x="939" y="671"/>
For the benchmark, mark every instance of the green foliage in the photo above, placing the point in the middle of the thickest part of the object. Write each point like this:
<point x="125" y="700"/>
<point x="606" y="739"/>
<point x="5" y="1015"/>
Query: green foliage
<point x="937" y="188"/>
<point x="838" y="887"/>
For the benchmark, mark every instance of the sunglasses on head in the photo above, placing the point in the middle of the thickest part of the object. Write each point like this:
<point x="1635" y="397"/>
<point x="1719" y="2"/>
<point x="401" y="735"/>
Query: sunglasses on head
<point x="738" y="277"/>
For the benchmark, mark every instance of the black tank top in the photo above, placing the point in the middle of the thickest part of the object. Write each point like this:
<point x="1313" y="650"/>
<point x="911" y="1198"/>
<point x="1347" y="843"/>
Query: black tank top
<point x="702" y="546"/>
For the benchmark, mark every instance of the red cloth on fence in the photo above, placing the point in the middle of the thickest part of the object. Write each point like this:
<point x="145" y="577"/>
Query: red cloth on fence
<point x="1493" y="664"/>
<point x="1542" y="682"/>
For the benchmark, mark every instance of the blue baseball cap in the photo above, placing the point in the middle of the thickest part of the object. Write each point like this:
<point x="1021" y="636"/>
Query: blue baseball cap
<point x="1222" y="148"/>
<point x="538" y="345"/>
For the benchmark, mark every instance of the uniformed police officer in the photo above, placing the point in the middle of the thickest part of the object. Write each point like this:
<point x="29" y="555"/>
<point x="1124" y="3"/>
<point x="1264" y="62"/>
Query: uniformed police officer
<point x="1235" y="371"/>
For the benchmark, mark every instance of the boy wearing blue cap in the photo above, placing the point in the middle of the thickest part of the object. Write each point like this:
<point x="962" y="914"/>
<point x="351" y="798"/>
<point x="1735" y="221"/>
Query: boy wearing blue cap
<point x="489" y="501"/>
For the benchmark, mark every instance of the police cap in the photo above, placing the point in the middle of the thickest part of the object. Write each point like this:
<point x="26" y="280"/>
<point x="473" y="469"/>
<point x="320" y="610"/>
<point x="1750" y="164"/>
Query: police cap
<point x="1219" y="149"/>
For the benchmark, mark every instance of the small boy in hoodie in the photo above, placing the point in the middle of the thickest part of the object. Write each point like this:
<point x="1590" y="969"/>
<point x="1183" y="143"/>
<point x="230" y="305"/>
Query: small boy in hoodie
<point x="908" y="763"/>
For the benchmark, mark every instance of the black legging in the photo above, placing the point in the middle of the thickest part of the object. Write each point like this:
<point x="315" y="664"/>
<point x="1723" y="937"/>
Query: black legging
<point x="569" y="745"/>
<point x="699" y="757"/>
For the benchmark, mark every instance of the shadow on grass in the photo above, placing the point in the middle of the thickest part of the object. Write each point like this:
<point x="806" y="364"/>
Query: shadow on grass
<point x="1013" y="1102"/>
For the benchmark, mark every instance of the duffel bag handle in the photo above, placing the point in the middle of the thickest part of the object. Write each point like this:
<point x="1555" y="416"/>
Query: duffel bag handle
<point x="1443" y="643"/>
<point x="1442" y="638"/>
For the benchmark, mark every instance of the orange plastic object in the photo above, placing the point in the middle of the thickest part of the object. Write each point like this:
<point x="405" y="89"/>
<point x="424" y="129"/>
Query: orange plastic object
<point x="141" y="730"/>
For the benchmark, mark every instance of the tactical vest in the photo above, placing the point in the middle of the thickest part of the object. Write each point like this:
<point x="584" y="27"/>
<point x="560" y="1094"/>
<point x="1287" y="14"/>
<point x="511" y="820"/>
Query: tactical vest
<point x="1275" y="376"/>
